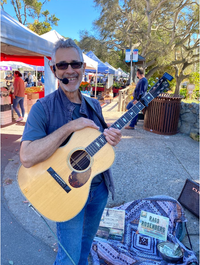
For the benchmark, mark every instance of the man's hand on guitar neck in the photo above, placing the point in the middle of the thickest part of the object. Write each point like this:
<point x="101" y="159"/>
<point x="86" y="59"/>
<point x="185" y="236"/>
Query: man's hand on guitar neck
<point x="113" y="136"/>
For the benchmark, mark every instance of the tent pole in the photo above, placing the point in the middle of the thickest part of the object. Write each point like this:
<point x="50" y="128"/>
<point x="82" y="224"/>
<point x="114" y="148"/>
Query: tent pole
<point x="36" y="77"/>
<point x="131" y="77"/>
<point x="95" y="94"/>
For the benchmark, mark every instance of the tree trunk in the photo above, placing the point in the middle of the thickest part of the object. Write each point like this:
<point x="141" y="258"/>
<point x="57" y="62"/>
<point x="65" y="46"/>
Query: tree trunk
<point x="178" y="86"/>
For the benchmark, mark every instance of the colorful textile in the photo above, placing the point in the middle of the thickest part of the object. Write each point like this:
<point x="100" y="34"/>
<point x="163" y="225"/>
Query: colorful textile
<point x="137" y="248"/>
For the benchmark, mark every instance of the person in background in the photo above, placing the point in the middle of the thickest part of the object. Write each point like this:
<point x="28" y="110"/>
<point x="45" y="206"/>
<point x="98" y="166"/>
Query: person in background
<point x="51" y="121"/>
<point x="9" y="81"/>
<point x="30" y="80"/>
<point x="92" y="81"/>
<point x="140" y="90"/>
<point x="42" y="79"/>
<point x="18" y="96"/>
<point x="34" y="80"/>
<point x="104" y="80"/>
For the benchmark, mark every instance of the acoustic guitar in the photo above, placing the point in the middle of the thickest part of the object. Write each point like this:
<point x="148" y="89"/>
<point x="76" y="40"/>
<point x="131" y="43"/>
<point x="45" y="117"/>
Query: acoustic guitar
<point x="58" y="188"/>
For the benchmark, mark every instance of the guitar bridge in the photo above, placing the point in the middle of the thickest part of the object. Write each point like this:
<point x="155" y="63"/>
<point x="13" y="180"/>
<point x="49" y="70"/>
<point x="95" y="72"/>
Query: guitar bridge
<point x="58" y="179"/>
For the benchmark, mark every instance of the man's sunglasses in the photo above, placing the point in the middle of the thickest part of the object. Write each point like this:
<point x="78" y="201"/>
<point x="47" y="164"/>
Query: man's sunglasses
<point x="64" y="65"/>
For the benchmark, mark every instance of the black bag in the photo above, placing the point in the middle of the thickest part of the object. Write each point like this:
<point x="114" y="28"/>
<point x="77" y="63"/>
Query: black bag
<point x="189" y="196"/>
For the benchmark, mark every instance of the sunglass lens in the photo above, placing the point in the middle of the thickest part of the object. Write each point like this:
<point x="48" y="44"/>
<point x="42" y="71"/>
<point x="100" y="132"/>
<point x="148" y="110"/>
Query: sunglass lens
<point x="76" y="65"/>
<point x="62" y="65"/>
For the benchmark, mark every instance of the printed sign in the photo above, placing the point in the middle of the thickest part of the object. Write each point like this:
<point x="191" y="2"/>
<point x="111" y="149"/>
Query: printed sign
<point x="153" y="225"/>
<point x="111" y="225"/>
<point x="128" y="56"/>
<point x="5" y="68"/>
<point x="135" y="55"/>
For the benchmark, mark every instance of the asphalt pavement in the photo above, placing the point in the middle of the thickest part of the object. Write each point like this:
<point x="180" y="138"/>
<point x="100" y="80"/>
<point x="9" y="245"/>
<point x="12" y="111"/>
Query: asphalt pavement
<point x="146" y="164"/>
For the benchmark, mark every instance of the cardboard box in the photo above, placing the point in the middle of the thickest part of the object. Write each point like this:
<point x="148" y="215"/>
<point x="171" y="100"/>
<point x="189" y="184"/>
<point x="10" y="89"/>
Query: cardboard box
<point x="5" y="100"/>
<point x="32" y="95"/>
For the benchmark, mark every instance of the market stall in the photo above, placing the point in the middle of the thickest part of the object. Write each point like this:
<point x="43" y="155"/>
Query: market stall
<point x="102" y="69"/>
<point x="20" y="44"/>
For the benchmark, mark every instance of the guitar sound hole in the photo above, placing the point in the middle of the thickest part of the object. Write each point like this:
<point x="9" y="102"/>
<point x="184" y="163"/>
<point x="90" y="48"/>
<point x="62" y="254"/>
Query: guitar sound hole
<point x="80" y="160"/>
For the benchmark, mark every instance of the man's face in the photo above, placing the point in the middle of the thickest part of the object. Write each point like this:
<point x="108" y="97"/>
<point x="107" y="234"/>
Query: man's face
<point x="74" y="76"/>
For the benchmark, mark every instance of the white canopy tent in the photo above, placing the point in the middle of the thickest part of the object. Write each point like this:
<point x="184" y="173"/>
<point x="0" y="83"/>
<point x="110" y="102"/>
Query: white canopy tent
<point x="18" y="40"/>
<point x="121" y="73"/>
<point x="20" y="44"/>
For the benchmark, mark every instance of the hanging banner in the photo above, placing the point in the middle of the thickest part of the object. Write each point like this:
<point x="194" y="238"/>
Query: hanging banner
<point x="5" y="68"/>
<point x="135" y="55"/>
<point x="128" y="56"/>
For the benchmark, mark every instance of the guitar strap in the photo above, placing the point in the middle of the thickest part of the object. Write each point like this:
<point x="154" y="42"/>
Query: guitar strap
<point x="90" y="104"/>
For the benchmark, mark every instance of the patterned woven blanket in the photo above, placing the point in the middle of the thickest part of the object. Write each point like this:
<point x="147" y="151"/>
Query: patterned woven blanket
<point x="139" y="249"/>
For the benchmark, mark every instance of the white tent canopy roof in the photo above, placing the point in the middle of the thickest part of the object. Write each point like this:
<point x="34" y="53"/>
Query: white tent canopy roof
<point x="121" y="72"/>
<point x="16" y="39"/>
<point x="54" y="36"/>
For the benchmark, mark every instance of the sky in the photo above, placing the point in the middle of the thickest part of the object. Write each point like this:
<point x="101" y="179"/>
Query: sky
<point x="74" y="15"/>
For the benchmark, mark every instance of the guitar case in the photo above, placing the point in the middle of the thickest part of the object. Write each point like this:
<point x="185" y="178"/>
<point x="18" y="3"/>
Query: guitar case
<point x="189" y="196"/>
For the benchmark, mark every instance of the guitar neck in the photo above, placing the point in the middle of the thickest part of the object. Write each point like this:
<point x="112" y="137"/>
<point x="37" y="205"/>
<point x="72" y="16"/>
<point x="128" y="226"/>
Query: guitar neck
<point x="100" y="141"/>
<point x="132" y="112"/>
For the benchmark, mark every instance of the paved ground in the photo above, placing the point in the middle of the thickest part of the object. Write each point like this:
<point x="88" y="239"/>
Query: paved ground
<point x="146" y="164"/>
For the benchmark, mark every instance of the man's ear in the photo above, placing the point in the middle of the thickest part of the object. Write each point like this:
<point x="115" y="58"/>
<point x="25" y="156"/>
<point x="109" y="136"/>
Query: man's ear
<point x="53" y="69"/>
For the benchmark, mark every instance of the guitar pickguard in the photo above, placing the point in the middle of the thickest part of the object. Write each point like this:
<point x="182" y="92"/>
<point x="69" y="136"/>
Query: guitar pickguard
<point x="76" y="179"/>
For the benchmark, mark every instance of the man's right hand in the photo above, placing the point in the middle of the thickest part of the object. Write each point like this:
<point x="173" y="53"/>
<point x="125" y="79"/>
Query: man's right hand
<point x="82" y="123"/>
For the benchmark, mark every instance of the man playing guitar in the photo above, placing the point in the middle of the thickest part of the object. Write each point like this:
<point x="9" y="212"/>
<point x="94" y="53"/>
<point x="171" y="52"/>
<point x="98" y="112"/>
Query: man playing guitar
<point x="51" y="121"/>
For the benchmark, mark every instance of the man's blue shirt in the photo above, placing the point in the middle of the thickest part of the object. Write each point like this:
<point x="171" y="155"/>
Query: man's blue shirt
<point x="141" y="88"/>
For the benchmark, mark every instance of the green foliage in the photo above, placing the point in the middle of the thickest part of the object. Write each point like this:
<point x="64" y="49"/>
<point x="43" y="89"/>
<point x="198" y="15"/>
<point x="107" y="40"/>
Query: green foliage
<point x="40" y="27"/>
<point x="151" y="82"/>
<point x="33" y="8"/>
<point x="194" y="78"/>
<point x="196" y="94"/>
<point x="116" y="85"/>
<point x="45" y="26"/>
<point x="183" y="92"/>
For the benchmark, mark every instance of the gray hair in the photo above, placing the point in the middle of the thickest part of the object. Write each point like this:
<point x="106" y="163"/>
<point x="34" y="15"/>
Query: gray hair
<point x="63" y="43"/>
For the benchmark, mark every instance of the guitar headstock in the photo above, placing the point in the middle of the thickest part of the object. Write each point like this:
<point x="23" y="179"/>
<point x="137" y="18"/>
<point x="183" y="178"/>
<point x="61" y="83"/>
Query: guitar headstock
<point x="161" y="85"/>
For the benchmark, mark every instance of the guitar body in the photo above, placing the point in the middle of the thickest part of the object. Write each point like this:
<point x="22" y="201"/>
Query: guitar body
<point x="58" y="188"/>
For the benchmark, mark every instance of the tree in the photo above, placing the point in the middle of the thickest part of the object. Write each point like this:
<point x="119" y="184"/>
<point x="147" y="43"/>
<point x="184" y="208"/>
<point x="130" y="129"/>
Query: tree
<point x="33" y="8"/>
<point x="158" y="28"/>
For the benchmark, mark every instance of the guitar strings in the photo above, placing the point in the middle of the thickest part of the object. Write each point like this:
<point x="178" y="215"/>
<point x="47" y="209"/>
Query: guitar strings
<point x="81" y="161"/>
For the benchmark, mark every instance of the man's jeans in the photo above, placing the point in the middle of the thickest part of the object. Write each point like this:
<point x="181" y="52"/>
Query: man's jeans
<point x="20" y="101"/>
<point x="76" y="235"/>
<point x="134" y="120"/>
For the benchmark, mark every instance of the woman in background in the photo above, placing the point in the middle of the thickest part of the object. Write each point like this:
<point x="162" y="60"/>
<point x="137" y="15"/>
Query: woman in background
<point x="18" y="96"/>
